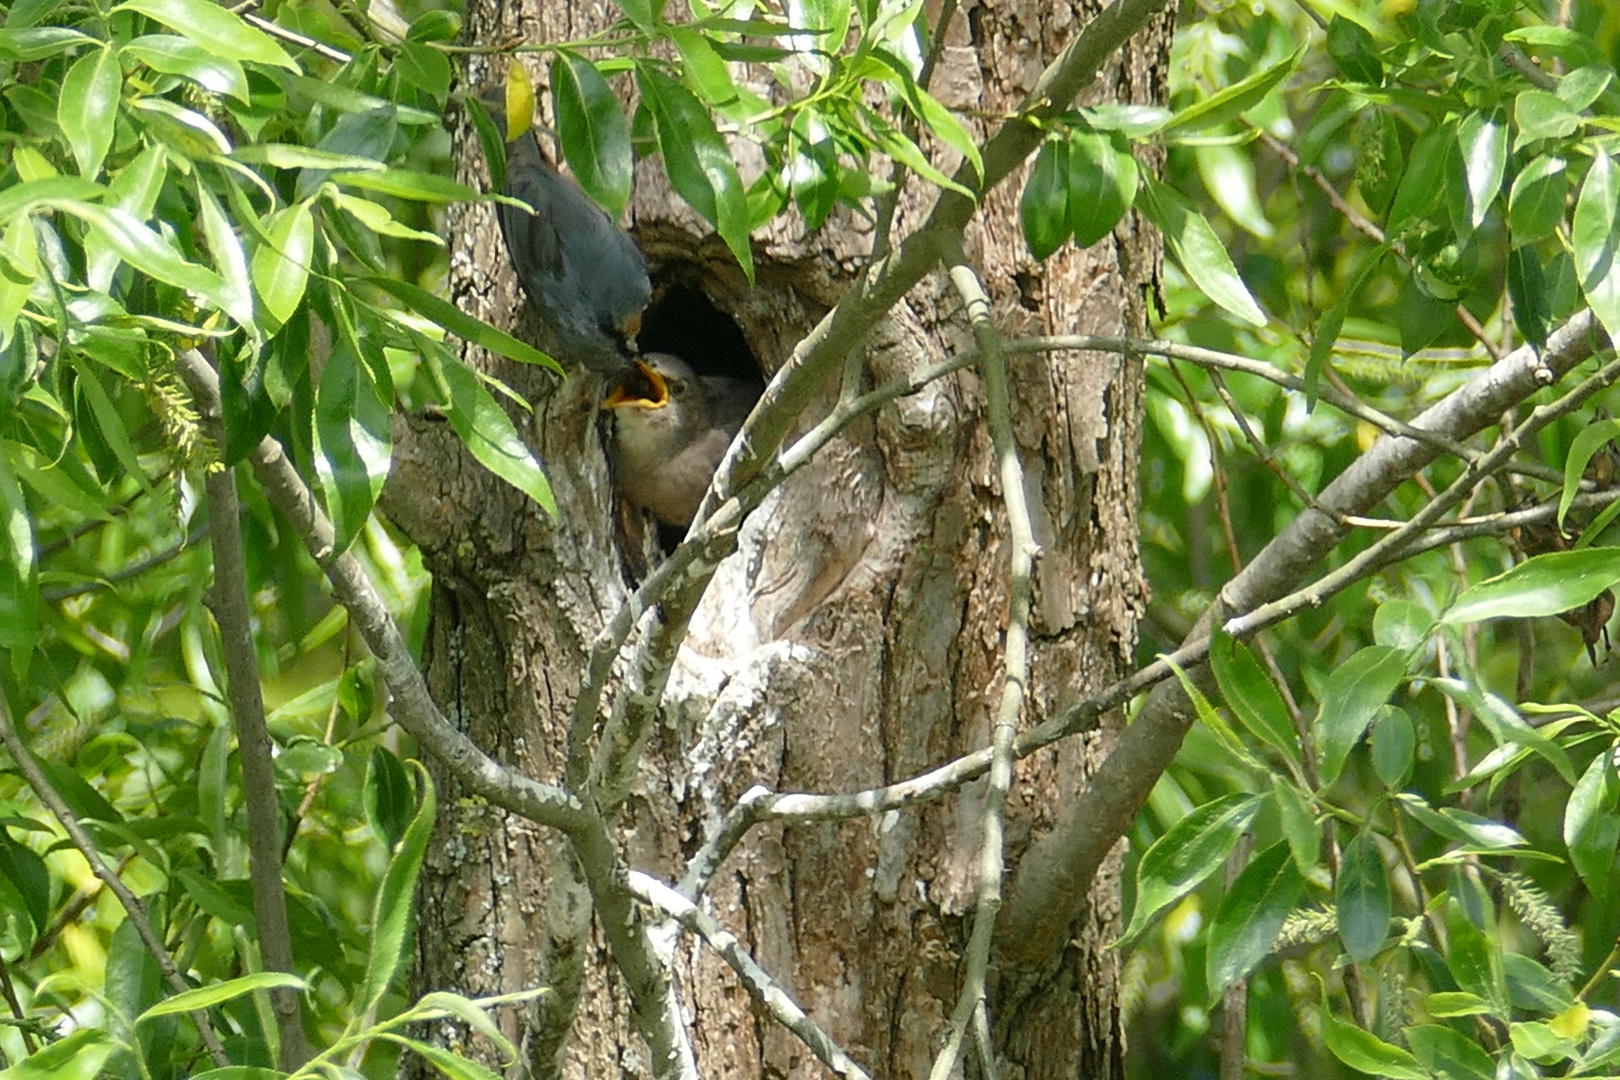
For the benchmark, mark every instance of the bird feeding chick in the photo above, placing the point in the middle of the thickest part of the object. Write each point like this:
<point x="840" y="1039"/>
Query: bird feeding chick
<point x="671" y="426"/>
<point x="584" y="275"/>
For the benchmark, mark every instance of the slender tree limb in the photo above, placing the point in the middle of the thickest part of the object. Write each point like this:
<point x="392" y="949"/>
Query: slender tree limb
<point x="411" y="705"/>
<point x="971" y="1005"/>
<point x="229" y="603"/>
<point x="760" y="986"/>
<point x="134" y="570"/>
<point x="1053" y="876"/>
<point x="133" y="908"/>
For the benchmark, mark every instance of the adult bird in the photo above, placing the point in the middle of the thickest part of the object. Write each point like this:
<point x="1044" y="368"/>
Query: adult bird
<point x="670" y="428"/>
<point x="584" y="275"/>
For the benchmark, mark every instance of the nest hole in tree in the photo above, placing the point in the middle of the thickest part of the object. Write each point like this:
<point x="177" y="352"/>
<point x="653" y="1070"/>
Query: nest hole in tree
<point x="682" y="320"/>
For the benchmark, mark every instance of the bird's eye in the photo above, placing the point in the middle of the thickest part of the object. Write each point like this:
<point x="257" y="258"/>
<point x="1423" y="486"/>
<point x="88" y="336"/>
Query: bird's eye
<point x="677" y="388"/>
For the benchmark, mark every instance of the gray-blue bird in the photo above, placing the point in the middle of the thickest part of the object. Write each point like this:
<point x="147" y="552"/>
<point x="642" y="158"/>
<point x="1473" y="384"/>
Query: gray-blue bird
<point x="584" y="275"/>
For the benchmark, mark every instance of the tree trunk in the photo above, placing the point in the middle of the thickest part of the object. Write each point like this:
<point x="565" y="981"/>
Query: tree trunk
<point x="854" y="639"/>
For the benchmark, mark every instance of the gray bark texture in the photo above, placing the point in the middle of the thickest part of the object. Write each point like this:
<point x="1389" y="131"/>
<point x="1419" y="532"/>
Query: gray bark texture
<point x="854" y="639"/>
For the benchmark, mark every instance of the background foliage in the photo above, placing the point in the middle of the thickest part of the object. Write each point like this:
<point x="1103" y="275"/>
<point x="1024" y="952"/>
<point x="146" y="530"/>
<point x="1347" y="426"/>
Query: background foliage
<point x="1376" y="200"/>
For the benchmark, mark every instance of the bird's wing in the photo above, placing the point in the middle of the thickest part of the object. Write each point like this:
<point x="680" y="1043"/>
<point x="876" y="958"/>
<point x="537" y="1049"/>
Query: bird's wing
<point x="534" y="235"/>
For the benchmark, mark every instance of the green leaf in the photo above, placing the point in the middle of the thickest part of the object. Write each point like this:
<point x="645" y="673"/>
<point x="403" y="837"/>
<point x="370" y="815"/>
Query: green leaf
<point x="1193" y="849"/>
<point x="389" y="800"/>
<point x="1536" y="200"/>
<point x="1365" y="1052"/>
<point x="1227" y="172"/>
<point x="1251" y="914"/>
<point x="18" y="42"/>
<point x="281" y="265"/>
<point x="705" y="73"/>
<point x="1044" y="207"/>
<point x="1596" y="238"/>
<point x="1250" y="695"/>
<point x="1195" y="247"/>
<point x="1363" y="899"/>
<point x="18" y="574"/>
<point x="226" y="248"/>
<point x="1540" y="115"/>
<point x="19" y="269"/>
<point x="1450" y="1003"/>
<point x="1402" y="624"/>
<point x="1541" y="585"/>
<point x="352" y="430"/>
<point x="77" y="1057"/>
<point x="1353" y="694"/>
<point x="697" y="160"/>
<point x="205" y="997"/>
<point x="109" y="422"/>
<point x="88" y="108"/>
<point x="1461" y="825"/>
<point x="1592" y="823"/>
<point x="1583" y="86"/>
<point x="1475" y="961"/>
<point x="27" y="873"/>
<point x="1591" y="438"/>
<point x="1354" y="51"/>
<point x="148" y="252"/>
<point x="174" y="55"/>
<point x="406" y="184"/>
<point x="488" y="432"/>
<point x="392" y="914"/>
<point x="214" y="29"/>
<point x="1424" y="180"/>
<point x="453" y="1065"/>
<point x="1532" y="986"/>
<point x="1449" y="1053"/>
<point x="1394" y="746"/>
<point x="1235" y="100"/>
<point x="461" y="324"/>
<point x="1506" y="726"/>
<point x="1538" y="1042"/>
<point x="134" y="190"/>
<point x="1103" y="179"/>
<point x="425" y="68"/>
<point x="1482" y="141"/>
<point x="1299" y="824"/>
<point x="1527" y="287"/>
<point x="594" y="135"/>
<point x="57" y="191"/>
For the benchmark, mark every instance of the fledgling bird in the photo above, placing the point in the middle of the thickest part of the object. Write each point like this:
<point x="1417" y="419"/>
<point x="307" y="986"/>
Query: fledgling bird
<point x="584" y="275"/>
<point x="670" y="428"/>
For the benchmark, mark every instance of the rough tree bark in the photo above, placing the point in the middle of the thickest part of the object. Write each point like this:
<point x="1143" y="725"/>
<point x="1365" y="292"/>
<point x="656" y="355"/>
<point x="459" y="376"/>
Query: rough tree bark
<point x="853" y="640"/>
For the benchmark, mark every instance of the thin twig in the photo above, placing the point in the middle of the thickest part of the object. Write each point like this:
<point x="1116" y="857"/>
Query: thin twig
<point x="760" y="986"/>
<point x="133" y="908"/>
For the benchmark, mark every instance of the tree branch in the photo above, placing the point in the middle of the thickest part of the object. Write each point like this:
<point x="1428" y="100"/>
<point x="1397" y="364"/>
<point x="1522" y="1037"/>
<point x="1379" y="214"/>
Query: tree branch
<point x="760" y="986"/>
<point x="1052" y="879"/>
<point x="229" y="603"/>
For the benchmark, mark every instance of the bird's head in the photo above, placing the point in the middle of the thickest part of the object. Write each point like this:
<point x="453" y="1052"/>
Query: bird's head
<point x="659" y="396"/>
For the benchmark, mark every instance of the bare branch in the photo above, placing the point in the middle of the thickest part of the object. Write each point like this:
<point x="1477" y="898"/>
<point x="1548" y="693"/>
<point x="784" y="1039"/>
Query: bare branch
<point x="764" y="989"/>
<point x="229" y="603"/>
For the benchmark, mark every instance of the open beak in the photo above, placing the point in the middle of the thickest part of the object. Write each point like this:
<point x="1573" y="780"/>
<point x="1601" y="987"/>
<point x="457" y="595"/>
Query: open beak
<point x="649" y="392"/>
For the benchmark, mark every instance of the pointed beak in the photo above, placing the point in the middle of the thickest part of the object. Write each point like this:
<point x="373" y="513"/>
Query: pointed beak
<point x="649" y="392"/>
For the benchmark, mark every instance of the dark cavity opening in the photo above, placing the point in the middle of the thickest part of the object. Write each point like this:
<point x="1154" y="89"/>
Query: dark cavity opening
<point x="684" y="321"/>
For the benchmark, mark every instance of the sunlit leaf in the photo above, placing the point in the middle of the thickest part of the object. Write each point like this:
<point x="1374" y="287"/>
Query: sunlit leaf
<point x="1194" y="848"/>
